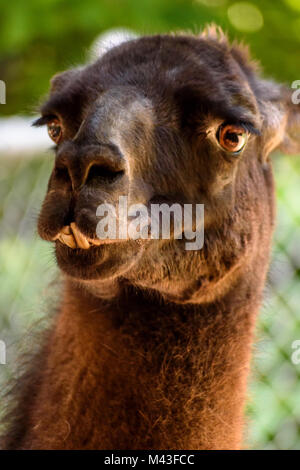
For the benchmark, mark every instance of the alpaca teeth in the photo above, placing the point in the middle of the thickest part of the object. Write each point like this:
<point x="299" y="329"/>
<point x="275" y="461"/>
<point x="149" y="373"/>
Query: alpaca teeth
<point x="81" y="240"/>
<point x="67" y="240"/>
<point x="71" y="236"/>
<point x="66" y="230"/>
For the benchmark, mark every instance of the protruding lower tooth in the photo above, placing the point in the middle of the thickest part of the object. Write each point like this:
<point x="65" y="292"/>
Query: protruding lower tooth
<point x="81" y="240"/>
<point x="66" y="229"/>
<point x="67" y="240"/>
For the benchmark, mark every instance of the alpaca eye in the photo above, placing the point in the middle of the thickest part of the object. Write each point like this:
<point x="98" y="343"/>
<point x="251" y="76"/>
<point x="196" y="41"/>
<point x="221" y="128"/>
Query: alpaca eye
<point x="55" y="130"/>
<point x="232" y="137"/>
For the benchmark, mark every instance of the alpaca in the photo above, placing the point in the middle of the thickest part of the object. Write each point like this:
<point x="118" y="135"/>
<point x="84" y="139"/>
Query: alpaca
<point x="151" y="344"/>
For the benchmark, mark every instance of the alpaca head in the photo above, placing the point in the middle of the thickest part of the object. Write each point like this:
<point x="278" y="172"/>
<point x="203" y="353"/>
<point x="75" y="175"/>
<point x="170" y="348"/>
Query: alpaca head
<point x="165" y="119"/>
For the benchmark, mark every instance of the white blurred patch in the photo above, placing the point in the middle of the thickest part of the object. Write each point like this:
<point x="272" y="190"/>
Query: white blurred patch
<point x="18" y="137"/>
<point x="111" y="38"/>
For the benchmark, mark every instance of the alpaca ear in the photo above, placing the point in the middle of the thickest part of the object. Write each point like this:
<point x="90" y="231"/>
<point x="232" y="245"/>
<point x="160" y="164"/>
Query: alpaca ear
<point x="59" y="80"/>
<point x="280" y="110"/>
<point x="279" y="106"/>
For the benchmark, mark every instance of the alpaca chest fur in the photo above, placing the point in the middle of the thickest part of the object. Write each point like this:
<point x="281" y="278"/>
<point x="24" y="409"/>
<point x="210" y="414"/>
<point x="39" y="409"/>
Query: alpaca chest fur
<point x="128" y="380"/>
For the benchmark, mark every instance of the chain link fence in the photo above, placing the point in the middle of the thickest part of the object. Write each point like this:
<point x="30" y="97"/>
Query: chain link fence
<point x="28" y="268"/>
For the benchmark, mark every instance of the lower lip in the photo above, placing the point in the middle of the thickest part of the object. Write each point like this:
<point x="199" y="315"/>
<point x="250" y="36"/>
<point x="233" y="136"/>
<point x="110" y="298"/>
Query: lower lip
<point x="94" y="243"/>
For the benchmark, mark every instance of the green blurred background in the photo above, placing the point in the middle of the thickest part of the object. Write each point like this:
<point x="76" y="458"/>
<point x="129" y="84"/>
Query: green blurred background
<point x="39" y="38"/>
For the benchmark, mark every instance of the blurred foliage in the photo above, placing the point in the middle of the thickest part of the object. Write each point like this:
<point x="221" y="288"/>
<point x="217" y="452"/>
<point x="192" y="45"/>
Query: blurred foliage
<point x="40" y="37"/>
<point x="274" y="405"/>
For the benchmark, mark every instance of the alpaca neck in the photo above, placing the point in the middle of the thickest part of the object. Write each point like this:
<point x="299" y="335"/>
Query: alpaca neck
<point x="141" y="374"/>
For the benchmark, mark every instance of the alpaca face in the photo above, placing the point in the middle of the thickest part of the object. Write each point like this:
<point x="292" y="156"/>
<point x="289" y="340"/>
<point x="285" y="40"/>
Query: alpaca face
<point x="168" y="120"/>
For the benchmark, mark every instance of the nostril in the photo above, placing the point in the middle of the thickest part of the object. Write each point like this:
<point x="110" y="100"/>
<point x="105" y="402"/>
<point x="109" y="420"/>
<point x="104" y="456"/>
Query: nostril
<point x="62" y="175"/>
<point x="102" y="174"/>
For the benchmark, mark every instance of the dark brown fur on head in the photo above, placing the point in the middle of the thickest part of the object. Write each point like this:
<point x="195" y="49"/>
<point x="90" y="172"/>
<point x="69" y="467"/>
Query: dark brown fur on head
<point x="155" y="104"/>
<point x="143" y="122"/>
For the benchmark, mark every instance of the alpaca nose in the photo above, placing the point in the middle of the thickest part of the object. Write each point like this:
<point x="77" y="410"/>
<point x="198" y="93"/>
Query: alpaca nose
<point x="79" y="165"/>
